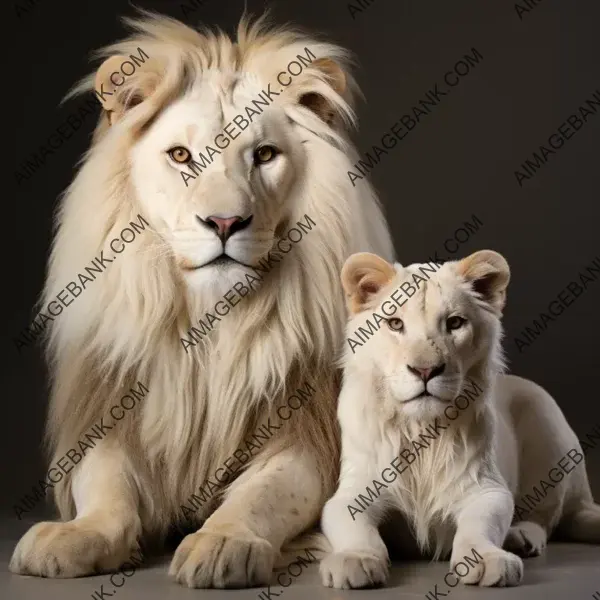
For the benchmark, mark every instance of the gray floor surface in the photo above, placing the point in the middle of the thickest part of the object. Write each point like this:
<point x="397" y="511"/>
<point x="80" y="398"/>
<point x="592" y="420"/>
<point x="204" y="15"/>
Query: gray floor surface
<point x="565" y="572"/>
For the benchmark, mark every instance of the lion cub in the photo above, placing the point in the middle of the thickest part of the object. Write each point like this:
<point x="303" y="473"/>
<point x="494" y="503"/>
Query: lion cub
<point x="431" y="428"/>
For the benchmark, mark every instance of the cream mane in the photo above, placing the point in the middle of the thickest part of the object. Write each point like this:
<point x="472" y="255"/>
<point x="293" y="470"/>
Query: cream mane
<point x="128" y="326"/>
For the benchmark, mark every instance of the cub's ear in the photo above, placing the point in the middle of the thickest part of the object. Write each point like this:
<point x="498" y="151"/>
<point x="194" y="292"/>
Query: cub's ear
<point x="363" y="276"/>
<point x="116" y="91"/>
<point x="489" y="274"/>
<point x="317" y="87"/>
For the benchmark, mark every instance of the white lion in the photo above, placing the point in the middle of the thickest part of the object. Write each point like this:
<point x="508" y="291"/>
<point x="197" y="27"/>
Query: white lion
<point x="183" y="454"/>
<point x="431" y="427"/>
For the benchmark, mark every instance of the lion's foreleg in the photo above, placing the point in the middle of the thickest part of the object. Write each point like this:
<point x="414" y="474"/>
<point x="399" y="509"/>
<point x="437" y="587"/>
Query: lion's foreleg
<point x="104" y="532"/>
<point x="271" y="502"/>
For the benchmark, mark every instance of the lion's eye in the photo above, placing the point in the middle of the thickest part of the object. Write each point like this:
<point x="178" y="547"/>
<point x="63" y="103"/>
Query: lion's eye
<point x="179" y="154"/>
<point x="264" y="154"/>
<point x="396" y="324"/>
<point x="453" y="323"/>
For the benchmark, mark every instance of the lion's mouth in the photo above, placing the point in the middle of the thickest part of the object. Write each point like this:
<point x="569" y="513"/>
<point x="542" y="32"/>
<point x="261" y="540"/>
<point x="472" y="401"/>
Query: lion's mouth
<point x="223" y="260"/>
<point x="424" y="395"/>
<point x="220" y="261"/>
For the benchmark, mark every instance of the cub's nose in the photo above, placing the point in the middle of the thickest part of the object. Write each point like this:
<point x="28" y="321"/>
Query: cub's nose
<point x="427" y="373"/>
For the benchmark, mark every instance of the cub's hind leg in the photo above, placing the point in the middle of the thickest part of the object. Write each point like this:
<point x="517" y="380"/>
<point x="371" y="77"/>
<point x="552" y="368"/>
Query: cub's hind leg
<point x="526" y="539"/>
<point x="551" y="468"/>
<point x="538" y="507"/>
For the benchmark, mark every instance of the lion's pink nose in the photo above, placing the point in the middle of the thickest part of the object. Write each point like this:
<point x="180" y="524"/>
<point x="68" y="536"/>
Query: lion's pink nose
<point x="226" y="226"/>
<point x="223" y="224"/>
<point x="427" y="373"/>
<point x="424" y="373"/>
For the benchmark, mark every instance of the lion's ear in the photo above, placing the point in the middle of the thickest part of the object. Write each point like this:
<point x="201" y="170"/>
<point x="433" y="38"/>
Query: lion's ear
<point x="363" y="276"/>
<point x="116" y="91"/>
<point x="314" y="87"/>
<point x="489" y="274"/>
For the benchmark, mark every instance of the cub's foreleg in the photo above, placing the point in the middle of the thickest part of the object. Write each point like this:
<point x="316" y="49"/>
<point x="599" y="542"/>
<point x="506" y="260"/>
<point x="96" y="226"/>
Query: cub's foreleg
<point x="483" y="518"/>
<point x="360" y="557"/>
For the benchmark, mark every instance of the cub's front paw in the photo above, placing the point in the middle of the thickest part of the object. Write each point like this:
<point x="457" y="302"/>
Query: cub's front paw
<point x="490" y="567"/>
<point x="212" y="560"/>
<point x="347" y="570"/>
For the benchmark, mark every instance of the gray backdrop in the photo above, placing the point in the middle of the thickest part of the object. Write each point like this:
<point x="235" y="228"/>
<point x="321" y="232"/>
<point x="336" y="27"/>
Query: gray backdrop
<point x="537" y="66"/>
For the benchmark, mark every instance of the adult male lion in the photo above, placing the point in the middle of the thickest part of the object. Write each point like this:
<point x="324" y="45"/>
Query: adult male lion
<point x="206" y="230"/>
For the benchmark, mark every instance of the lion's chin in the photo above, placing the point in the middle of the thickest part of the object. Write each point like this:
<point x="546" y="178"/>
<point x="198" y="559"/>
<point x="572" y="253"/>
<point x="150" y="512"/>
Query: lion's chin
<point x="424" y="400"/>
<point x="425" y="407"/>
<point x="216" y="278"/>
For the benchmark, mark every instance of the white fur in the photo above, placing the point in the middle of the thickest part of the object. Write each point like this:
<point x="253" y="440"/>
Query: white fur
<point x="458" y="494"/>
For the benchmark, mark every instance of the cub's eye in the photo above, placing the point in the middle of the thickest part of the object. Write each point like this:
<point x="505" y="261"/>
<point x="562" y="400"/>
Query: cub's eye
<point x="180" y="154"/>
<point x="396" y="324"/>
<point x="264" y="154"/>
<point x="455" y="323"/>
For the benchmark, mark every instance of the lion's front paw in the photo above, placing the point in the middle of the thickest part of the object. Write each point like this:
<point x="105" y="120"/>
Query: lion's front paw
<point x="61" y="550"/>
<point x="205" y="559"/>
<point x="494" y="567"/>
<point x="347" y="570"/>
